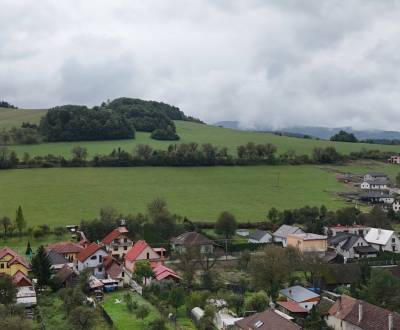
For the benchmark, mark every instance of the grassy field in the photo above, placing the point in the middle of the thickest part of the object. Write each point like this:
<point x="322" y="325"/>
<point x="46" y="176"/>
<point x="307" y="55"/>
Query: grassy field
<point x="66" y="195"/>
<point x="15" y="117"/>
<point x="189" y="132"/>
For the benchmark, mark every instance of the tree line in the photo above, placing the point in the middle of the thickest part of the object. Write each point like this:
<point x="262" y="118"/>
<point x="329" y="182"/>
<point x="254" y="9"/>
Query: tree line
<point x="187" y="154"/>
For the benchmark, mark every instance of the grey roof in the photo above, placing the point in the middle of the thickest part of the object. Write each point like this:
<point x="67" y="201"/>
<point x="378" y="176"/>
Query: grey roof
<point x="285" y="230"/>
<point x="191" y="238"/>
<point x="56" y="258"/>
<point x="339" y="237"/>
<point x="377" y="174"/>
<point x="376" y="194"/>
<point x="365" y="249"/>
<point x="298" y="293"/>
<point x="258" y="234"/>
<point x="378" y="180"/>
<point x="350" y="242"/>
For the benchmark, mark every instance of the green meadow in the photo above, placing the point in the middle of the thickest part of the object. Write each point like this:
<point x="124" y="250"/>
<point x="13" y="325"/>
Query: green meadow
<point x="60" y="196"/>
<point x="188" y="131"/>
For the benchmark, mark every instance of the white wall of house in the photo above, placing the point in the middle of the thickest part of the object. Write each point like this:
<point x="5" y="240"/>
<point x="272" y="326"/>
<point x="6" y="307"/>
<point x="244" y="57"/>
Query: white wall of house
<point x="95" y="262"/>
<point x="119" y="246"/>
<point x="392" y="245"/>
<point x="338" y="324"/>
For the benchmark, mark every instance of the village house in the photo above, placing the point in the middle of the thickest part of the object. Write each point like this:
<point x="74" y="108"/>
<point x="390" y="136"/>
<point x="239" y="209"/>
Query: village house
<point x="57" y="261"/>
<point x="67" y="276"/>
<point x="68" y="250"/>
<point x="377" y="197"/>
<point x="283" y="231"/>
<point x="114" y="270"/>
<point x="383" y="240"/>
<point x="117" y="243"/>
<point x="350" y="313"/>
<point x="301" y="296"/>
<point x="192" y="239"/>
<point x="375" y="175"/>
<point x="292" y="308"/>
<point x="12" y="264"/>
<point x="267" y="320"/>
<point x="260" y="236"/>
<point x="396" y="206"/>
<point x="308" y="242"/>
<point x="394" y="159"/>
<point x="91" y="257"/>
<point x="351" y="246"/>
<point x="353" y="229"/>
<point x="376" y="184"/>
<point x="143" y="251"/>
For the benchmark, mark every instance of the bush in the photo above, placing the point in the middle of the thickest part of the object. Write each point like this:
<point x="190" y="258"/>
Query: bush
<point x="164" y="134"/>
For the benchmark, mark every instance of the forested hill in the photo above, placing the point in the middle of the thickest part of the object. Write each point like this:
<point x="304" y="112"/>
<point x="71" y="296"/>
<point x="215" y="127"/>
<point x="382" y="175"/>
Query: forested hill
<point x="118" y="119"/>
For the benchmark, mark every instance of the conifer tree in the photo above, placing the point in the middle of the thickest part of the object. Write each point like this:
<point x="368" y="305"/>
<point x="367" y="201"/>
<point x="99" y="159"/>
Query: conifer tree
<point x="20" y="222"/>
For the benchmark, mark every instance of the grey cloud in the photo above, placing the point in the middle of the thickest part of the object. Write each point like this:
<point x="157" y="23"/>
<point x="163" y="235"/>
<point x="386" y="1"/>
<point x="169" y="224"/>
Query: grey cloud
<point x="276" y="63"/>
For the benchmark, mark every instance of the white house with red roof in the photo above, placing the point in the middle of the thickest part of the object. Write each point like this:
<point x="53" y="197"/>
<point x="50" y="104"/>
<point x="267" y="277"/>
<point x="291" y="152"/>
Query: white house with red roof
<point x="143" y="251"/>
<point x="92" y="257"/>
<point x="117" y="242"/>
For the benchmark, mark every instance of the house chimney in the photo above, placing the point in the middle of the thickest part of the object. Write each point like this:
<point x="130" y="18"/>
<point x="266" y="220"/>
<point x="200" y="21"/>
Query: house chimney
<point x="390" y="317"/>
<point x="360" y="312"/>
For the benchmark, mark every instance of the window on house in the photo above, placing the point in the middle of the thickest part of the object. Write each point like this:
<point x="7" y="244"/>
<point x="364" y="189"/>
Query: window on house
<point x="93" y="257"/>
<point x="100" y="269"/>
<point x="1" y="265"/>
<point x="115" y="248"/>
<point x="125" y="248"/>
<point x="393" y="240"/>
<point x="123" y="274"/>
<point x="125" y="240"/>
<point x="148" y="255"/>
<point x="100" y="258"/>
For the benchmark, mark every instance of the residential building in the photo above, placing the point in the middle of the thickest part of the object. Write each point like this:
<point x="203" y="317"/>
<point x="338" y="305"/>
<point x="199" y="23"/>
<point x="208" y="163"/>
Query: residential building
<point x="26" y="296"/>
<point x="302" y="296"/>
<point x="57" y="260"/>
<point x="283" y="231"/>
<point x="92" y="257"/>
<point x="374" y="175"/>
<point x="308" y="242"/>
<point x="394" y="159"/>
<point x="67" y="276"/>
<point x="348" y="313"/>
<point x="260" y="236"/>
<point x="141" y="251"/>
<point x="192" y="239"/>
<point x="117" y="242"/>
<point x="376" y="184"/>
<point x="242" y="232"/>
<point x="267" y="320"/>
<point x="351" y="246"/>
<point x="377" y="197"/>
<point x="68" y="250"/>
<point x="115" y="270"/>
<point x="396" y="206"/>
<point x="383" y="240"/>
<point x="353" y="229"/>
<point x="11" y="262"/>
<point x="292" y="308"/>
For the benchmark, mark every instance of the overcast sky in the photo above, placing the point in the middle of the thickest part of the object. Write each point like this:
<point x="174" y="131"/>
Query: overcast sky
<point x="276" y="63"/>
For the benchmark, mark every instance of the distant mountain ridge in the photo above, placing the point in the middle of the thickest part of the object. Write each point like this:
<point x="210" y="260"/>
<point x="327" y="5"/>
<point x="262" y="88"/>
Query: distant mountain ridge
<point x="324" y="133"/>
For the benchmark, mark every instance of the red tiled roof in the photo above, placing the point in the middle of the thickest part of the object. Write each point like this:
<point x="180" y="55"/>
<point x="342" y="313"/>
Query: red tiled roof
<point x="373" y="317"/>
<point x="20" y="278"/>
<point x="161" y="272"/>
<point x="6" y="250"/>
<point x="65" y="247"/>
<point x="136" y="249"/>
<point x="113" y="267"/>
<point x="88" y="251"/>
<point x="16" y="257"/>
<point x="114" y="234"/>
<point x="292" y="306"/>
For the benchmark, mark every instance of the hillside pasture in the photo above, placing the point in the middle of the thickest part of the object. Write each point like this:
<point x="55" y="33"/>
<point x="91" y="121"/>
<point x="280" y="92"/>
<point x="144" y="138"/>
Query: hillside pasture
<point x="62" y="196"/>
<point x="188" y="132"/>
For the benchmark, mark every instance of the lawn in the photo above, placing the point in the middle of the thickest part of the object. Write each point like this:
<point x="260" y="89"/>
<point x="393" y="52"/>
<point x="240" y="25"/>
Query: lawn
<point x="19" y="243"/>
<point x="15" y="117"/>
<point x="60" y="196"/>
<point x="188" y="132"/>
<point x="119" y="313"/>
